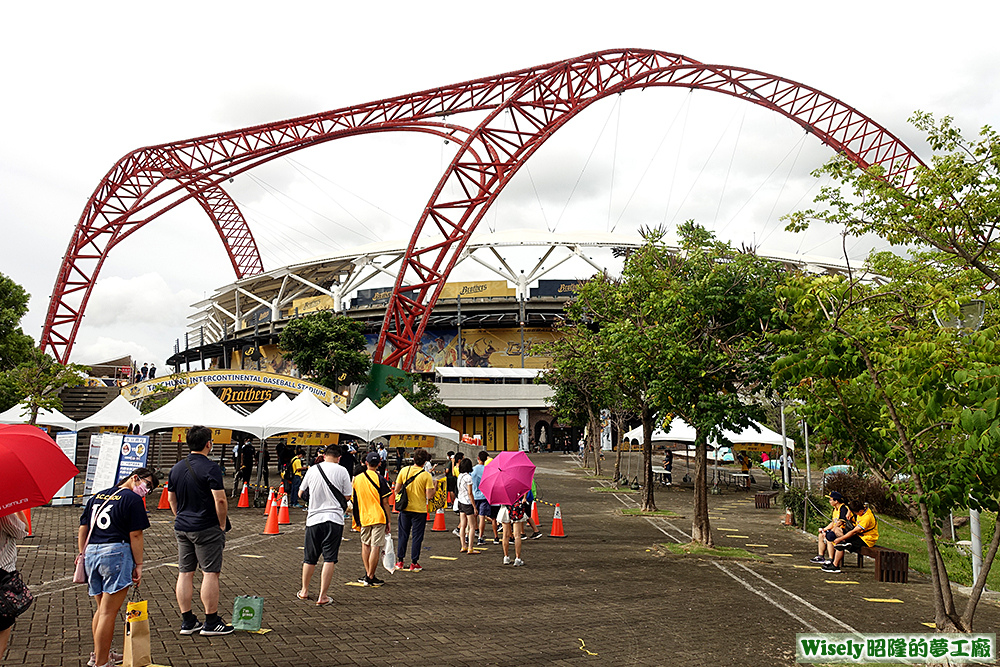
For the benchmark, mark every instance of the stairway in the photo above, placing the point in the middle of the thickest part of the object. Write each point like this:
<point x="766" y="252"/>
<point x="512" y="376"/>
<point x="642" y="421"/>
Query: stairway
<point x="81" y="402"/>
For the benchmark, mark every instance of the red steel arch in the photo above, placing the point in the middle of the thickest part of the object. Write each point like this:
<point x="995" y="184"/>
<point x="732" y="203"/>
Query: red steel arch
<point x="545" y="102"/>
<point x="150" y="181"/>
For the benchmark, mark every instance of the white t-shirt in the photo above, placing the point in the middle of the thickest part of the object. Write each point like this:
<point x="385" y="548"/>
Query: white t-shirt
<point x="464" y="480"/>
<point x="323" y="505"/>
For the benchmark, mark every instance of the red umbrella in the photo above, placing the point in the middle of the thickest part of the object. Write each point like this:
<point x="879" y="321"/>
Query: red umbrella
<point x="32" y="468"/>
<point x="507" y="478"/>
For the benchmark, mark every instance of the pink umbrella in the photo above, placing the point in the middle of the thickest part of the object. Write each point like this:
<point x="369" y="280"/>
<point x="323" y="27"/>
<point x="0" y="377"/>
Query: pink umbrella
<point x="507" y="478"/>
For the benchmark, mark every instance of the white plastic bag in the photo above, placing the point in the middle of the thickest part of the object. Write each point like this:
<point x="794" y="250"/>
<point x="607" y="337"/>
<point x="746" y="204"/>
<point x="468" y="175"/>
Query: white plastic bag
<point x="389" y="554"/>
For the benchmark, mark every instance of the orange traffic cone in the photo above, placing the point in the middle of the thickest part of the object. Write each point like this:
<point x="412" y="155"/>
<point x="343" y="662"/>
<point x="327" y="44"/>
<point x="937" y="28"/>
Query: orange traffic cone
<point x="271" y="527"/>
<point x="439" y="525"/>
<point x="267" y="505"/>
<point x="244" y="497"/>
<point x="557" y="527"/>
<point x="27" y="517"/>
<point x="392" y="503"/>
<point x="534" y="515"/>
<point x="164" y="500"/>
<point x="283" y="518"/>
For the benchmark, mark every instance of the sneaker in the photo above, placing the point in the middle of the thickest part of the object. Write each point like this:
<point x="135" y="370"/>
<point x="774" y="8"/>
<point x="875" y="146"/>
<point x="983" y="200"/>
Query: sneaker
<point x="113" y="659"/>
<point x="364" y="580"/>
<point x="536" y="535"/>
<point x="831" y="568"/>
<point x="480" y="543"/>
<point x="496" y="540"/>
<point x="817" y="559"/>
<point x="191" y="627"/>
<point x="376" y="581"/>
<point x="455" y="533"/>
<point x="506" y="560"/>
<point x="399" y="565"/>
<point x="415" y="567"/>
<point x="518" y="562"/>
<point x="220" y="628"/>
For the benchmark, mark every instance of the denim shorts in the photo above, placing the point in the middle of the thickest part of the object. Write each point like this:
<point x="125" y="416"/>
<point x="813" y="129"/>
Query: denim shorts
<point x="109" y="567"/>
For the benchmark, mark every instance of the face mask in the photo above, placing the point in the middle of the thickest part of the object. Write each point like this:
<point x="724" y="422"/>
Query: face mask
<point x="141" y="489"/>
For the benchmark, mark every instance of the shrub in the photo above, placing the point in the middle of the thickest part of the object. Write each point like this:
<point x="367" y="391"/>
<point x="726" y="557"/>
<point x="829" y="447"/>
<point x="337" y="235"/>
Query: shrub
<point x="870" y="490"/>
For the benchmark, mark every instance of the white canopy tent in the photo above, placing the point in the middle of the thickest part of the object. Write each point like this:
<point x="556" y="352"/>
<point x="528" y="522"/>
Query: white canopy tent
<point x="307" y="413"/>
<point x="401" y="418"/>
<point x="118" y="412"/>
<point x="262" y="417"/>
<point x="365" y="414"/>
<point x="681" y="431"/>
<point x="196" y="405"/>
<point x="21" y="413"/>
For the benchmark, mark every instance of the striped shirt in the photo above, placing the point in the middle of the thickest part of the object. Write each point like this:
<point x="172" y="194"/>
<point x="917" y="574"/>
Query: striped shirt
<point x="11" y="530"/>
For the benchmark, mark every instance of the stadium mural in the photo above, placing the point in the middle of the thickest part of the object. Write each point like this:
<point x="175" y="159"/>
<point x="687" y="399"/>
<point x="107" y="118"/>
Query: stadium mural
<point x="481" y="348"/>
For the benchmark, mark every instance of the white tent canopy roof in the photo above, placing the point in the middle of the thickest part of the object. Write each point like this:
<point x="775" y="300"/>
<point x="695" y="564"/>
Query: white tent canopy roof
<point x="365" y="413"/>
<point x="21" y="413"/>
<point x="262" y="417"/>
<point x="681" y="431"/>
<point x="118" y="412"/>
<point x="401" y="418"/>
<point x="307" y="413"/>
<point x="196" y="405"/>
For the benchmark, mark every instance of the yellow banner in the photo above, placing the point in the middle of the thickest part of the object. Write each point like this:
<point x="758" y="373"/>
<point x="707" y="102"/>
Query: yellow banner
<point x="753" y="447"/>
<point x="411" y="441"/>
<point x="112" y="429"/>
<point x="311" y="439"/>
<point x="312" y="304"/>
<point x="220" y="436"/>
<point x="234" y="378"/>
<point x="478" y="289"/>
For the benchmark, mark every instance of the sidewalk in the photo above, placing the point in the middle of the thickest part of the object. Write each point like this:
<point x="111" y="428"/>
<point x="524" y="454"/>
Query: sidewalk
<point x="604" y="595"/>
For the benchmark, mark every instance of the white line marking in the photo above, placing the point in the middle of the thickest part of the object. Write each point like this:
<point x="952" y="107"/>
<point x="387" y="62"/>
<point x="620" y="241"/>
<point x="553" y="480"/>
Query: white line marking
<point x="796" y="597"/>
<point x="762" y="594"/>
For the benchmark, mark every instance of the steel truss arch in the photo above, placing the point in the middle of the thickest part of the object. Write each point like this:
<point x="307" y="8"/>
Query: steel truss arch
<point x="548" y="100"/>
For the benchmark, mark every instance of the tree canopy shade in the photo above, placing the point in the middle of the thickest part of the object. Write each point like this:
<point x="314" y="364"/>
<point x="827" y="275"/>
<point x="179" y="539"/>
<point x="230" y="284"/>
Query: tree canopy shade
<point x="684" y="335"/>
<point x="879" y="379"/>
<point x="327" y="347"/>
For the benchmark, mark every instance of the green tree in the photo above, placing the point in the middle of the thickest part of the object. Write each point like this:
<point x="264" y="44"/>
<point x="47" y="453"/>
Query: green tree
<point x="15" y="345"/>
<point x="420" y="393"/>
<point x="327" y="347"/>
<point x="38" y="381"/>
<point x="685" y="334"/>
<point x="880" y="380"/>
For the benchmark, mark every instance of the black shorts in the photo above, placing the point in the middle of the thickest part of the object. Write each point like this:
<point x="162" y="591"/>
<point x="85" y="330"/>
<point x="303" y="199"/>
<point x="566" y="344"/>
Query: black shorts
<point x="466" y="509"/>
<point x="6" y="622"/>
<point x="852" y="544"/>
<point x="323" y="538"/>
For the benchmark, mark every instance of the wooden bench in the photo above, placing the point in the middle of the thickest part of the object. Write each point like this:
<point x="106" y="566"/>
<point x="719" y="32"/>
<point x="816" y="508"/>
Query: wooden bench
<point x="762" y="499"/>
<point x="890" y="565"/>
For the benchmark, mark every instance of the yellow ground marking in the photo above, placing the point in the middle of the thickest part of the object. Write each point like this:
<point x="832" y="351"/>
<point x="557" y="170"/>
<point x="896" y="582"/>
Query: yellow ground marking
<point x="717" y="518"/>
<point x="445" y="557"/>
<point x="930" y="625"/>
<point x="833" y="581"/>
<point x="583" y="647"/>
<point x="171" y="564"/>
<point x="742" y="537"/>
<point x="763" y="546"/>
<point x="27" y="546"/>
<point x="353" y="583"/>
<point x="806" y="567"/>
<point x="250" y="556"/>
<point x="883" y="600"/>
<point x="262" y="631"/>
<point x="728" y="529"/>
<point x="303" y="548"/>
<point x="781" y="555"/>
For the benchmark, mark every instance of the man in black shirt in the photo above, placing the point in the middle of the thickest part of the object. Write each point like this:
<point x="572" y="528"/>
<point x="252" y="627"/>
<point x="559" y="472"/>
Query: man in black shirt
<point x="198" y="500"/>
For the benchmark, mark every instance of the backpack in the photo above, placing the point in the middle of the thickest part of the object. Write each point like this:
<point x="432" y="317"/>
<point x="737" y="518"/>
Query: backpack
<point x="402" y="500"/>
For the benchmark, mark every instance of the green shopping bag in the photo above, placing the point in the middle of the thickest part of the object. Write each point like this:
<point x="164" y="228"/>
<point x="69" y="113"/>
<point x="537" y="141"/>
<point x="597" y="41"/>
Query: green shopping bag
<point x="248" y="611"/>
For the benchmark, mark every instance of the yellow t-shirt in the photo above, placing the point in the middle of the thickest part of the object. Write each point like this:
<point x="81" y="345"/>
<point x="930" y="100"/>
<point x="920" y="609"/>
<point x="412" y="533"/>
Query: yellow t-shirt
<point x="297" y="466"/>
<point x="489" y="460"/>
<point x="368" y="499"/>
<point x="416" y="491"/>
<point x="867" y="521"/>
<point x="454" y="471"/>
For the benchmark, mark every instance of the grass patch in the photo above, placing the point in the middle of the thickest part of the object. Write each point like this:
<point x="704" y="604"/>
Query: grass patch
<point x="612" y="489"/>
<point x="605" y="477"/>
<point x="693" y="549"/>
<point x="632" y="511"/>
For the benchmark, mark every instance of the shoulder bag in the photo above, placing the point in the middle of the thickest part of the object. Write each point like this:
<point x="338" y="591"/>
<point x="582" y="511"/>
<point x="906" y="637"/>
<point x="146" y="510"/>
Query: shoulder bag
<point x="15" y="598"/>
<point x="402" y="500"/>
<point x="334" y="490"/>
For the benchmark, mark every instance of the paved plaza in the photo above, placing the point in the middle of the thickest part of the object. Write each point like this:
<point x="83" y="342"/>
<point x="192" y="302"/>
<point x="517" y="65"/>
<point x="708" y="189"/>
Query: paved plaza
<point x="606" y="594"/>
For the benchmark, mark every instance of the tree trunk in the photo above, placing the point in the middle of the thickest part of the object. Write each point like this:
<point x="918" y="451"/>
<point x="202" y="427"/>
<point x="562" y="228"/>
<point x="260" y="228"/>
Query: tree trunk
<point x="646" y="487"/>
<point x="595" y="440"/>
<point x="980" y="583"/>
<point x="701" y="530"/>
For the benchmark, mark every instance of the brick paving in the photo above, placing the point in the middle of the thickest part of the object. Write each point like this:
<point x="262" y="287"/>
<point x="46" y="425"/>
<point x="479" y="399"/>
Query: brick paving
<point x="607" y="594"/>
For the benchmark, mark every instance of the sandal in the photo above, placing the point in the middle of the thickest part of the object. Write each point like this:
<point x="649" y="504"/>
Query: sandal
<point x="322" y="604"/>
<point x="300" y="596"/>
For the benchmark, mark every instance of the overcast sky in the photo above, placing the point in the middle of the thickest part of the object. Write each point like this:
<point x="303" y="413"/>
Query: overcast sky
<point x="87" y="83"/>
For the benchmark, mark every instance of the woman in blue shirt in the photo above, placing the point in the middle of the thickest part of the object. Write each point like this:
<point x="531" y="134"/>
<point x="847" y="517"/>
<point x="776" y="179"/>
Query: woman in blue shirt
<point x="110" y="538"/>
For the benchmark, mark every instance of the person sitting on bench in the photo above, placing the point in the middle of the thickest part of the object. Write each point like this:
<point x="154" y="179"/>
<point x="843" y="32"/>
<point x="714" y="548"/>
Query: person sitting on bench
<point x="839" y="524"/>
<point x="864" y="533"/>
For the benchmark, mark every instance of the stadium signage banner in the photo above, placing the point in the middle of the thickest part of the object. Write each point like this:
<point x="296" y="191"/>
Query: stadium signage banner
<point x="234" y="378"/>
<point x="556" y="288"/>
